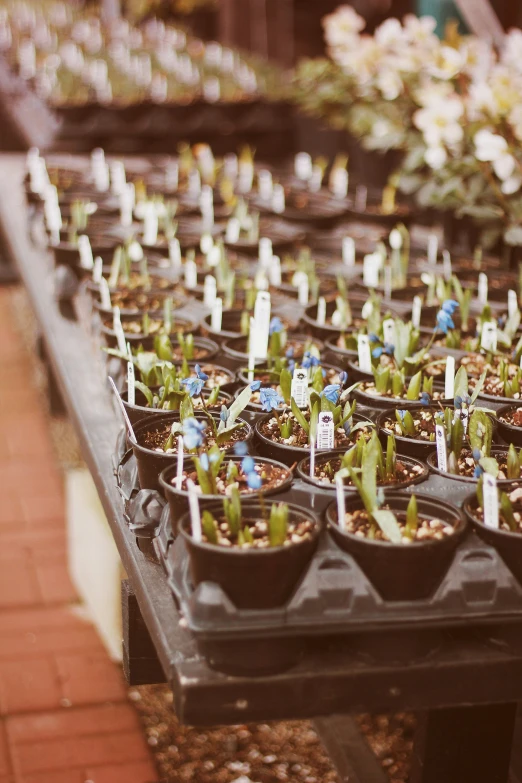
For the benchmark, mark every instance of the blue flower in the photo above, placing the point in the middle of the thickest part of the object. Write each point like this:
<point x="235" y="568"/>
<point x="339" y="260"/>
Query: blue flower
<point x="309" y="361"/>
<point x="444" y="321"/>
<point x="373" y="338"/>
<point x="193" y="430"/>
<point x="291" y="366"/>
<point x="248" y="464"/>
<point x="343" y="377"/>
<point x="425" y="398"/>
<point x="224" y="414"/>
<point x="476" y="454"/>
<point x="449" y="306"/>
<point x="479" y="470"/>
<point x="270" y="399"/>
<point x="389" y="349"/>
<point x="199" y="372"/>
<point x="241" y="448"/>
<point x="467" y="399"/>
<point x="378" y="352"/>
<point x="203" y="461"/>
<point x="254" y="480"/>
<point x="331" y="392"/>
<point x="194" y="385"/>
<point x="289" y="353"/>
<point x="255" y="386"/>
<point x="458" y="402"/>
<point x="276" y="325"/>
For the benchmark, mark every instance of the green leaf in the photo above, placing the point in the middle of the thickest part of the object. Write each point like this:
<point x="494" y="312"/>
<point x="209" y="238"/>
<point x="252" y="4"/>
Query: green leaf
<point x="225" y="435"/>
<point x="205" y="481"/>
<point x="285" y="382"/>
<point x="412" y="517"/>
<point x="278" y="524"/>
<point x="232" y="509"/>
<point x="489" y="465"/>
<point x="298" y="414"/>
<point x="388" y="524"/>
<point x="414" y="387"/>
<point x="461" y="382"/>
<point x="145" y="391"/>
<point x="478" y="387"/>
<point x="237" y="407"/>
<point x="513" y="463"/>
<point x="209" y="527"/>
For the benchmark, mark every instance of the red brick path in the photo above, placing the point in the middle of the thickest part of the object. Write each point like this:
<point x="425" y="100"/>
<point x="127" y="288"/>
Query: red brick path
<point x="64" y="714"/>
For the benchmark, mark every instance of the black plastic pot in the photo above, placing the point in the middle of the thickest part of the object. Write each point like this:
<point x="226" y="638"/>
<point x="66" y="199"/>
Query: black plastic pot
<point x="507" y="544"/>
<point x="230" y="326"/>
<point x="151" y="463"/>
<point x="419" y="449"/>
<point x="327" y="331"/>
<point x="251" y="578"/>
<point x="237" y="348"/>
<point x="402" y="572"/>
<point x="140" y="411"/>
<point x="303" y="471"/>
<point x="185" y="325"/>
<point x="379" y="402"/>
<point x="341" y="355"/>
<point x="510" y="432"/>
<point x="288" y="455"/>
<point x="178" y="498"/>
<point x="496" y="451"/>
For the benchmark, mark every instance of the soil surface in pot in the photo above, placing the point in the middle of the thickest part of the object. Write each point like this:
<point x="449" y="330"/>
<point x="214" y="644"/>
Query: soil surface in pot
<point x="466" y="465"/>
<point x="358" y="523"/>
<point x="272" y="476"/>
<point x="157" y="439"/>
<point x="513" y="417"/>
<point x="301" y="530"/>
<point x="138" y="301"/>
<point x="216" y="376"/>
<point x="495" y="386"/>
<point x="325" y="473"/>
<point x="299" y="438"/>
<point x="368" y="387"/>
<point x="424" y="422"/>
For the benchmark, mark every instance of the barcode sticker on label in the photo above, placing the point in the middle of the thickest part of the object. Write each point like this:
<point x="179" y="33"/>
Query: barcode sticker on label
<point x="490" y="492"/>
<point x="299" y="388"/>
<point x="442" y="451"/>
<point x="325" y="430"/>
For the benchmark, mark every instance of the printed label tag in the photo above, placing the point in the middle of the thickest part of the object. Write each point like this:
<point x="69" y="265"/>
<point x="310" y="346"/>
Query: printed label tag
<point x="127" y="199"/>
<point x="372" y="263"/>
<point x="179" y="465"/>
<point x="191" y="273"/>
<point x="303" y="166"/>
<point x="463" y="415"/>
<point x="299" y="387"/>
<point x="388" y="329"/>
<point x="348" y="251"/>
<point x="217" y="315"/>
<point x="482" y="288"/>
<point x="321" y="311"/>
<point x="209" y="291"/>
<point x="490" y="492"/>
<point x="118" y="330"/>
<point x="512" y="302"/>
<point x="195" y="518"/>
<point x="105" y="294"/>
<point x="214" y="256"/>
<point x="206" y="243"/>
<point x="233" y="229"/>
<point x="118" y="178"/>
<point x="303" y="291"/>
<point x="488" y="337"/>
<point x="325" y="430"/>
<point x="449" y="380"/>
<point x="363" y="349"/>
<point x="150" y="224"/>
<point x="85" y="250"/>
<point x="416" y="311"/>
<point x="442" y="452"/>
<point x="131" y="390"/>
<point x="433" y="249"/>
<point x="312" y="458"/>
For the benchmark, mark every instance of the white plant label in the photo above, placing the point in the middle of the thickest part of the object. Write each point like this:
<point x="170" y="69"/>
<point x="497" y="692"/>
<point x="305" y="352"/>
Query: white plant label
<point x="262" y="311"/>
<point x="251" y="359"/>
<point x="303" y="166"/>
<point x="194" y="184"/>
<point x="175" y="253"/>
<point x="190" y="274"/>
<point x="230" y="165"/>
<point x="105" y="294"/>
<point x="361" y="198"/>
<point x="303" y="291"/>
<point x="233" y="229"/>
<point x="274" y="271"/>
<point x="388" y="329"/>
<point x="372" y="263"/>
<point x="442" y="451"/>
<point x="449" y="379"/>
<point x="312" y="458"/>
<point x="488" y="337"/>
<point x="150" y="224"/>
<point x="433" y="249"/>
<point x="339" y="183"/>
<point x="265" y="184"/>
<point x="387" y="282"/>
<point x="209" y="291"/>
<point x="512" y="302"/>
<point x="316" y="180"/>
<point x="299" y="387"/>
<point x="171" y="176"/>
<point x="118" y="330"/>
<point x="127" y="201"/>
<point x="341" y="504"/>
<point x="85" y="250"/>
<point x="206" y="205"/>
<point x="97" y="271"/>
<point x="278" y="199"/>
<point x="265" y="251"/>
<point x="101" y="178"/>
<point x="131" y="390"/>
<point x="447" y="270"/>
<point x="206" y="243"/>
<point x="321" y="311"/>
<point x="490" y="492"/>
<point x="246" y="176"/>
<point x="348" y="252"/>
<point x="416" y="311"/>
<point x="482" y="288"/>
<point x="217" y="315"/>
<point x="214" y="256"/>
<point x="195" y="517"/>
<point x="118" y="178"/>
<point x="363" y="350"/>
<point x="325" y="430"/>
<point x="179" y="465"/>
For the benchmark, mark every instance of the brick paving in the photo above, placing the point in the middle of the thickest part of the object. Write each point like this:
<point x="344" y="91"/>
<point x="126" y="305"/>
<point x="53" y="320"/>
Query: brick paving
<point x="64" y="713"/>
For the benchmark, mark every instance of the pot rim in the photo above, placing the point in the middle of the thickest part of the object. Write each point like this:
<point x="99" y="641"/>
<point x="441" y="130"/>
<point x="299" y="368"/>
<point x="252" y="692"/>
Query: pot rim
<point x="432" y="457"/>
<point x="321" y="457"/>
<point x="160" y="418"/>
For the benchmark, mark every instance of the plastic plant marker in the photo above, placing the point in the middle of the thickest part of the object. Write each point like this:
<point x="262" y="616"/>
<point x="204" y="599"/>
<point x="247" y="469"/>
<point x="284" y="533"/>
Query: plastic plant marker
<point x="299" y="387"/>
<point x="118" y="176"/>
<point x="303" y="166"/>
<point x="278" y="199"/>
<point x="206" y="243"/>
<point x="265" y="184"/>
<point x="274" y="271"/>
<point x="233" y="229"/>
<point x="325" y="431"/>
<point x="175" y="253"/>
<point x="433" y="249"/>
<point x="303" y="291"/>
<point x="315" y="181"/>
<point x="341" y="502"/>
<point x="265" y="251"/>
<point x="512" y="302"/>
<point x="118" y="329"/>
<point x="85" y="250"/>
<point x="363" y="350"/>
<point x="150" y="224"/>
<point x="416" y="311"/>
<point x="388" y="328"/>
<point x="105" y="294"/>
<point x="209" y="291"/>
<point x="442" y="451"/>
<point x="372" y="264"/>
<point x="216" y="317"/>
<point x="251" y="354"/>
<point x="312" y="458"/>
<point x="361" y="198"/>
<point x="387" y="282"/>
<point x="490" y="493"/>
<point x="124" y="412"/>
<point x="195" y="516"/>
<point x="449" y="380"/>
<point x="262" y="311"/>
<point x="488" y="337"/>
<point x="127" y="199"/>
<point x="97" y="272"/>
<point x="131" y="391"/>
<point x="339" y="183"/>
<point x="482" y="288"/>
<point x="321" y="311"/>
<point x="348" y="251"/>
<point x="446" y="265"/>
<point x="190" y="274"/>
<point x="206" y="205"/>
<point x="179" y="467"/>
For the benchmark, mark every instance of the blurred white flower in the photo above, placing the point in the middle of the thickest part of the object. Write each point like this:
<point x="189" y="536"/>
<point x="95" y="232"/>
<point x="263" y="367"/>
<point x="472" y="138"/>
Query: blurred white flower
<point x="430" y="92"/>
<point x="420" y="29"/>
<point x="481" y="101"/>
<point x="380" y="129"/>
<point x="511" y="185"/>
<point x="510" y="54"/>
<point x="504" y="166"/>
<point x="489" y="146"/>
<point x="447" y="63"/>
<point x="342" y="26"/>
<point x="515" y="119"/>
<point x="435" y="157"/>
<point x="390" y="84"/>
<point x="389" y="33"/>
<point x="439" y="122"/>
